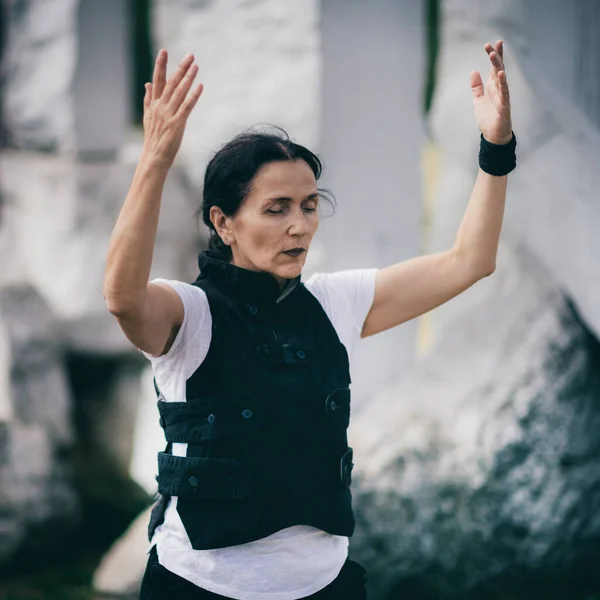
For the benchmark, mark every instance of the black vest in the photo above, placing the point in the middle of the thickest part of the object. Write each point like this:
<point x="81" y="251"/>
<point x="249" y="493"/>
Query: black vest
<point x="265" y="418"/>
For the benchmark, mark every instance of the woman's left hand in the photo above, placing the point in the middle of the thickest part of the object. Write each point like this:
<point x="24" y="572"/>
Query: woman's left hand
<point x="492" y="103"/>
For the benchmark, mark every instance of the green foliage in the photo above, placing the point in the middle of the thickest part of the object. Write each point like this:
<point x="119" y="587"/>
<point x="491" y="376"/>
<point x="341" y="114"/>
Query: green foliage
<point x="142" y="53"/>
<point x="432" y="20"/>
<point x="70" y="581"/>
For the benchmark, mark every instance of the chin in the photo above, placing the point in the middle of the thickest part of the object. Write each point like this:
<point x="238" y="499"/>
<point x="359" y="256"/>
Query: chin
<point x="289" y="271"/>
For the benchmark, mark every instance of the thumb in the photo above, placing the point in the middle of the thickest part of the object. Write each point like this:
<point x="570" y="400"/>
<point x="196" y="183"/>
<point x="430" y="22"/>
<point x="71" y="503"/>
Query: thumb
<point x="476" y="84"/>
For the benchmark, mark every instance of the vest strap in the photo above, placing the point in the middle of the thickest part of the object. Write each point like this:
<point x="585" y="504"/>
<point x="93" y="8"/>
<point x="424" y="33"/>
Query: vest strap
<point x="284" y="354"/>
<point x="215" y="478"/>
<point x="346" y="466"/>
<point x="217" y="417"/>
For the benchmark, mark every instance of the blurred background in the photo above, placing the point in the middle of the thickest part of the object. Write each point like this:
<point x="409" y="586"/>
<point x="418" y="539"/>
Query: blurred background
<point x="476" y="429"/>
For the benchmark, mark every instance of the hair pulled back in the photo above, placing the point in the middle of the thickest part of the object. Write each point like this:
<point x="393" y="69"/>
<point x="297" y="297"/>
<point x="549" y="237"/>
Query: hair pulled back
<point x="230" y="172"/>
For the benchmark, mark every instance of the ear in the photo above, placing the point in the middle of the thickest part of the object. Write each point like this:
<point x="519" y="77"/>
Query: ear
<point x="222" y="224"/>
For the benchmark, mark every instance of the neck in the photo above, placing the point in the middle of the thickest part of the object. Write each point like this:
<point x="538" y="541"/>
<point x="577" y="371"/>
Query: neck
<point x="281" y="282"/>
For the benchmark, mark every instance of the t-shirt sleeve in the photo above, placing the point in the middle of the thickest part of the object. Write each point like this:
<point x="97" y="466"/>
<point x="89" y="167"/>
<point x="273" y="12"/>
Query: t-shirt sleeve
<point x="190" y="347"/>
<point x="346" y="298"/>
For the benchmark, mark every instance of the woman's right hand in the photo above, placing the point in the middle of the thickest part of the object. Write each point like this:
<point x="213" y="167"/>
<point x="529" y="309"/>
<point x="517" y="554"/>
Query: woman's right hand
<point x="167" y="106"/>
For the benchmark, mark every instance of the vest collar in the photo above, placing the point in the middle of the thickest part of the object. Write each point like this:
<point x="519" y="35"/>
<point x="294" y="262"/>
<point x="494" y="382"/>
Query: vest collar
<point x="243" y="284"/>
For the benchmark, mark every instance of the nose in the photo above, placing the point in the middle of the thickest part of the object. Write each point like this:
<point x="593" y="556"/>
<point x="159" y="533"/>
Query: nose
<point x="298" y="225"/>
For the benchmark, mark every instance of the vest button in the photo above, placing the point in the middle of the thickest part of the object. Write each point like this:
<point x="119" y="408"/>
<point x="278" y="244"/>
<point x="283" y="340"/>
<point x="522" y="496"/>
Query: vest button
<point x="332" y="405"/>
<point x="246" y="413"/>
<point x="253" y="310"/>
<point x="301" y="354"/>
<point x="193" y="481"/>
<point x="211" y="419"/>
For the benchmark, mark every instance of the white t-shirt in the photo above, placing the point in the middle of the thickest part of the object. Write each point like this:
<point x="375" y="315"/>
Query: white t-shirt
<point x="297" y="561"/>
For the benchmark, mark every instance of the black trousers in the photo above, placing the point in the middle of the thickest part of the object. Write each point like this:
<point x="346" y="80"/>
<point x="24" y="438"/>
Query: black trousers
<point x="161" y="584"/>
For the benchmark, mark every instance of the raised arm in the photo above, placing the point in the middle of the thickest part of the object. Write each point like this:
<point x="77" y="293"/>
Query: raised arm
<point x="410" y="288"/>
<point x="150" y="314"/>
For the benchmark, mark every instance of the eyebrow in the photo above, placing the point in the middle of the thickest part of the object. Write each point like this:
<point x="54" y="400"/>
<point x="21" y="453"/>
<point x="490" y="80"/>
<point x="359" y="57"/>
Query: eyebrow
<point x="287" y="199"/>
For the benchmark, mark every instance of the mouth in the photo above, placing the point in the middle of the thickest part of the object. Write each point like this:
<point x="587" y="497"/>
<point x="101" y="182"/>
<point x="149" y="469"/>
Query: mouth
<point x="294" y="252"/>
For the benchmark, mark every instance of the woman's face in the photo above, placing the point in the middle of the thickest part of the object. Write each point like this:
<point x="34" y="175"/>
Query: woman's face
<point x="278" y="215"/>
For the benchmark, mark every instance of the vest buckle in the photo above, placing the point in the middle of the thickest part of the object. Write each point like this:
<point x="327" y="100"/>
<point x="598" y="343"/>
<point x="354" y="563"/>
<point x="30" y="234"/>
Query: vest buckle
<point x="346" y="466"/>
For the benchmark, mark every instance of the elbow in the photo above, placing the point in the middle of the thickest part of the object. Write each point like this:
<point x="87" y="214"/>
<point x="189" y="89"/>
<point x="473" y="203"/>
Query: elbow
<point x="121" y="297"/>
<point x="479" y="272"/>
<point x="486" y="271"/>
<point x="121" y="306"/>
<point x="113" y="304"/>
<point x="115" y="307"/>
<point x="475" y="268"/>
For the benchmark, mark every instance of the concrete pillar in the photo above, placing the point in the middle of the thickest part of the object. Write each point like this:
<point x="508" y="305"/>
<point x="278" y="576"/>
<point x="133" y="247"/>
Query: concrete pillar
<point x="372" y="136"/>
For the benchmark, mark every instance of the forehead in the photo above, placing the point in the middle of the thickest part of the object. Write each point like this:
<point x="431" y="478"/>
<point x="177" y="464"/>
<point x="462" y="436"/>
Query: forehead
<point x="284" y="179"/>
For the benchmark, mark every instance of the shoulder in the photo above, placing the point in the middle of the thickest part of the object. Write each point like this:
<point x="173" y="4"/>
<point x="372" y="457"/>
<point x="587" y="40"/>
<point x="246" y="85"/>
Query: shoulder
<point x="195" y="330"/>
<point x="349" y="287"/>
<point x="346" y="297"/>
<point x="186" y="291"/>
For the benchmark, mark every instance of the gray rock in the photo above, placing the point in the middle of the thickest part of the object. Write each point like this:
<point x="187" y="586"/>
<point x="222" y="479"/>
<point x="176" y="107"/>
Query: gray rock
<point x="478" y="474"/>
<point x="259" y="62"/>
<point x="37" y="502"/>
<point x="551" y="202"/>
<point x="38" y="389"/>
<point x="58" y="226"/>
<point x="38" y="507"/>
<point x="40" y="51"/>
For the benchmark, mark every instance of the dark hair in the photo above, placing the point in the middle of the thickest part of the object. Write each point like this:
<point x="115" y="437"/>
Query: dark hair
<point x="230" y="172"/>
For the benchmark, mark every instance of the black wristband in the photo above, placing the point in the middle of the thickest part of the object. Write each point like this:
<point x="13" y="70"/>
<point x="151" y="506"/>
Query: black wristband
<point x="497" y="159"/>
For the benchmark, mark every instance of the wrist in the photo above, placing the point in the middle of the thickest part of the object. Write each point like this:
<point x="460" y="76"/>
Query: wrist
<point x="499" y="141"/>
<point x="154" y="160"/>
<point x="498" y="159"/>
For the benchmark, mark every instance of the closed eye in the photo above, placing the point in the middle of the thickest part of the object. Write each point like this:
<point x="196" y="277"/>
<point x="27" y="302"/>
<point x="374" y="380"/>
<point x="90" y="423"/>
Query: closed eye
<point x="279" y="212"/>
<point x="284" y="203"/>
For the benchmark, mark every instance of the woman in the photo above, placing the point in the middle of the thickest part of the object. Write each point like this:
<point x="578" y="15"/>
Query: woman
<point x="251" y="363"/>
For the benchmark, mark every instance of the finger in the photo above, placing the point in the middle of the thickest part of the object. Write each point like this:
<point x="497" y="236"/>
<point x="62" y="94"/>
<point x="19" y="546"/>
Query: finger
<point x="500" y="49"/>
<point x="183" y="88"/>
<point x="497" y="64"/>
<point x="503" y="87"/>
<point x="495" y="55"/>
<point x="476" y="85"/>
<point x="188" y="105"/>
<point x="160" y="70"/>
<point x="147" y="95"/>
<point x="179" y="74"/>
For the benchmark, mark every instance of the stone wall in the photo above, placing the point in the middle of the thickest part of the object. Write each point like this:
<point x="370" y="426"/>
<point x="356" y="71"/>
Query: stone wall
<point x="551" y="203"/>
<point x="70" y="379"/>
<point x="477" y="472"/>
<point x="38" y="64"/>
<point x="259" y="61"/>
